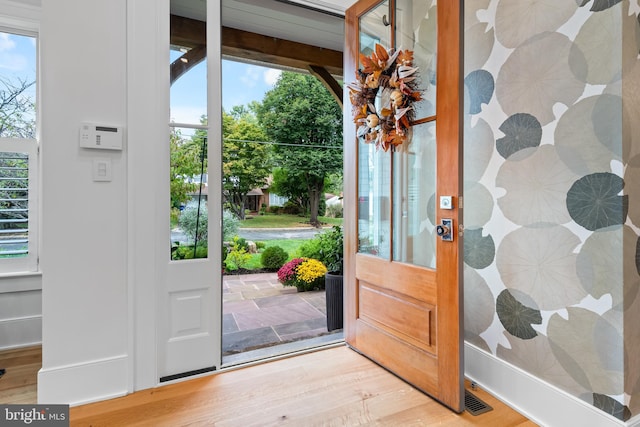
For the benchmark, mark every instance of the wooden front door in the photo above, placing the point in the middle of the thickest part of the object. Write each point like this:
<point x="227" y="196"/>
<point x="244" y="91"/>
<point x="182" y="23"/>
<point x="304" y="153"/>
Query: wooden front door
<point x="403" y="306"/>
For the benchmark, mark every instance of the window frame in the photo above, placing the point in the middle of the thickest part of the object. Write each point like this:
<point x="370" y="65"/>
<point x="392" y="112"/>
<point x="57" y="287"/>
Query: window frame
<point x="26" y="25"/>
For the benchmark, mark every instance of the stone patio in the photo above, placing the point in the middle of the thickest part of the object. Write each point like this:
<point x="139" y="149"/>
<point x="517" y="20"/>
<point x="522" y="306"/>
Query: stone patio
<point x="259" y="312"/>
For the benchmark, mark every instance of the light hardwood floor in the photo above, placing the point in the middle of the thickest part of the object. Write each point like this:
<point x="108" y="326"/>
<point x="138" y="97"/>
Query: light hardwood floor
<point x="331" y="387"/>
<point x="18" y="384"/>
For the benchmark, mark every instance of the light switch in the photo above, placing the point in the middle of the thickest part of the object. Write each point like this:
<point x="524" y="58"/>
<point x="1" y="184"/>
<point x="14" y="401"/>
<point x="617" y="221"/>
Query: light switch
<point x="102" y="170"/>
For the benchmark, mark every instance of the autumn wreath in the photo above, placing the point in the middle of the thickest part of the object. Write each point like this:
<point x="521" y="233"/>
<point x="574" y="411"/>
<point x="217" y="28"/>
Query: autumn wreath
<point x="391" y="77"/>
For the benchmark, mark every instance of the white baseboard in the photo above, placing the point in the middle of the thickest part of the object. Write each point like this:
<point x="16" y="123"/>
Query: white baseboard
<point x="539" y="401"/>
<point x="20" y="332"/>
<point x="84" y="382"/>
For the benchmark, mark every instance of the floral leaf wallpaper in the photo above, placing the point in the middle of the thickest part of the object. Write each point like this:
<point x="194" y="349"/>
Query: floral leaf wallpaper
<point x="537" y="75"/>
<point x="521" y="131"/>
<point x="594" y="203"/>
<point x="517" y="318"/>
<point x="479" y="250"/>
<point x="551" y="190"/>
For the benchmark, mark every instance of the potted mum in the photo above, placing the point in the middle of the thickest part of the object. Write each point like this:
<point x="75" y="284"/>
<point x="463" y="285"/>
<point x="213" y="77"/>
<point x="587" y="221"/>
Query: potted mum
<point x="306" y="274"/>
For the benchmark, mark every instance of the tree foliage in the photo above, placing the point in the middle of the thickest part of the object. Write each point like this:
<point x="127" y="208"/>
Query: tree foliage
<point x="186" y="164"/>
<point x="305" y="121"/>
<point x="17" y="109"/>
<point x="246" y="162"/>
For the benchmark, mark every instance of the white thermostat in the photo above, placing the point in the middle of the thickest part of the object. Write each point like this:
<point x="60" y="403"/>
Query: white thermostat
<point x="99" y="136"/>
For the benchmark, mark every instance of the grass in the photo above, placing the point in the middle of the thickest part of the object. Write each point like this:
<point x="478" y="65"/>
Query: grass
<point x="289" y="245"/>
<point x="284" y="221"/>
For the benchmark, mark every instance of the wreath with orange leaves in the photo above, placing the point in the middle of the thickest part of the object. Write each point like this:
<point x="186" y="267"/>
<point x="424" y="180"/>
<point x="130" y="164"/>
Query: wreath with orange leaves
<point x="390" y="76"/>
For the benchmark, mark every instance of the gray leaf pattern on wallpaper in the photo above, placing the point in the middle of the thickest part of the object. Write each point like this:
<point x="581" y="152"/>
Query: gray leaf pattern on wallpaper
<point x="536" y="357"/>
<point x="479" y="307"/>
<point x="559" y="231"/>
<point x="479" y="36"/>
<point x="599" y="5"/>
<point x="521" y="131"/>
<point x="595" y="366"/>
<point x="577" y="143"/>
<point x="516" y="317"/>
<point x="541" y="262"/>
<point x="519" y="20"/>
<point x="479" y="148"/>
<point x="598" y="264"/>
<point x="604" y="51"/>
<point x="536" y="183"/>
<point x="478" y="44"/>
<point x="537" y="75"/>
<point x="611" y="406"/>
<point x="480" y="87"/>
<point x="478" y="196"/>
<point x="593" y="201"/>
<point x="479" y="250"/>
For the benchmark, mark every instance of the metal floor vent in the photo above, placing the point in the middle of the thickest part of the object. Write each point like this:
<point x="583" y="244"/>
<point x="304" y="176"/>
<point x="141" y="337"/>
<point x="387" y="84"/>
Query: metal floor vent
<point x="474" y="405"/>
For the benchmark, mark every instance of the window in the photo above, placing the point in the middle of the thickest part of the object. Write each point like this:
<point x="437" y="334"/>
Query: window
<point x="18" y="154"/>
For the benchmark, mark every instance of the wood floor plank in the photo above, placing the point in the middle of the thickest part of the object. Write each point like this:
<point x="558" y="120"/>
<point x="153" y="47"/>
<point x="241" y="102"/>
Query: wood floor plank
<point x="332" y="387"/>
<point x="19" y="383"/>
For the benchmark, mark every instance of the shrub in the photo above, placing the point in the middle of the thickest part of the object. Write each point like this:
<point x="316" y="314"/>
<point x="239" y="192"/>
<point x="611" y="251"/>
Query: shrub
<point x="291" y="208"/>
<point x="237" y="257"/>
<point x="306" y="274"/>
<point x="260" y="245"/>
<point x="230" y="225"/>
<point x="332" y="250"/>
<point x="327" y="247"/>
<point x="334" y="211"/>
<point x="195" y="228"/>
<point x="241" y="242"/>
<point x="273" y="258"/>
<point x="186" y="252"/>
<point x="310" y="249"/>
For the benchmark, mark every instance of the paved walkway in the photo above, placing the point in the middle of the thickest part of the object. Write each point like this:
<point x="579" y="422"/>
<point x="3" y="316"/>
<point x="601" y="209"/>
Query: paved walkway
<point x="259" y="312"/>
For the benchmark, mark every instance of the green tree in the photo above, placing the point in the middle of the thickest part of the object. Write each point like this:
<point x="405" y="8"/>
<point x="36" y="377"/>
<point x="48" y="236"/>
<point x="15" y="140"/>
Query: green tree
<point x="186" y="158"/>
<point x="246" y="163"/>
<point x="304" y="120"/>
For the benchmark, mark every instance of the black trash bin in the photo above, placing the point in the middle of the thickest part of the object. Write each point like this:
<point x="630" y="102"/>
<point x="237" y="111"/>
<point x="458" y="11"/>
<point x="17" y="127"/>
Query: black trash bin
<point x="334" y="290"/>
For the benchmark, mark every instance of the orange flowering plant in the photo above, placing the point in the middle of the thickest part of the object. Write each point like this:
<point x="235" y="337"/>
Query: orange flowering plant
<point x="383" y="95"/>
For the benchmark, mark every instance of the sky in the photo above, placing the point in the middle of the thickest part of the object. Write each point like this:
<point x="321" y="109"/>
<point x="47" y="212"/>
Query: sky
<point x="241" y="83"/>
<point x="17" y="58"/>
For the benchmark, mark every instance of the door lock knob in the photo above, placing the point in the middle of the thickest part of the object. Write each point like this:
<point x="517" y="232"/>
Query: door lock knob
<point x="444" y="230"/>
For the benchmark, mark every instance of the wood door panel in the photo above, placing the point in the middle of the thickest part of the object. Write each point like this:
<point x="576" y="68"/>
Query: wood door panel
<point x="403" y="359"/>
<point x="397" y="315"/>
<point x="406" y="279"/>
<point x="407" y="318"/>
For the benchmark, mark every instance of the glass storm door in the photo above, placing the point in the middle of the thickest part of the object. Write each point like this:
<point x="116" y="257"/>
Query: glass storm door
<point x="403" y="295"/>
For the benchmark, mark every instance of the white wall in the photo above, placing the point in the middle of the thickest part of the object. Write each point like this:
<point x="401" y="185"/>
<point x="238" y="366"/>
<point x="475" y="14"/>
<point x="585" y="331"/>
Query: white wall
<point x="84" y="223"/>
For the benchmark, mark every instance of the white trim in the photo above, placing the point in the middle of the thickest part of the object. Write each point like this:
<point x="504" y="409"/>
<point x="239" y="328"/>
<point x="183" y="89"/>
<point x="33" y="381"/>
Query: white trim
<point x="20" y="282"/>
<point x="539" y="401"/>
<point x="19" y="332"/>
<point x="20" y="16"/>
<point x="83" y="383"/>
<point x="147" y="115"/>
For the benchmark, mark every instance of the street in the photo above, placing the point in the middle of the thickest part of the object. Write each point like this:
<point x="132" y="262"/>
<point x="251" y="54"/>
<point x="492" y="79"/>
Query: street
<point x="261" y="234"/>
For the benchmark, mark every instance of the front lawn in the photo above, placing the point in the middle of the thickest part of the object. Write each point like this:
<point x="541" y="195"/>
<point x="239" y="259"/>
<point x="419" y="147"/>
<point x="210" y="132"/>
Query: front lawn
<point x="290" y="246"/>
<point x="284" y="221"/>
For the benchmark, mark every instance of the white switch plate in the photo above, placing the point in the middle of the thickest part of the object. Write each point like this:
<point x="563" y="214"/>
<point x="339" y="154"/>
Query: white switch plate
<point x="102" y="170"/>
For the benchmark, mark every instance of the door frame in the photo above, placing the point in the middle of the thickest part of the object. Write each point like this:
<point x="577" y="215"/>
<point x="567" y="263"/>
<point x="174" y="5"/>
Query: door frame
<point x="450" y="166"/>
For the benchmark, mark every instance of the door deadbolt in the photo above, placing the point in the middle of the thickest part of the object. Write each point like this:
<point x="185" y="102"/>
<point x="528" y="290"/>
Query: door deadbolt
<point x="445" y="230"/>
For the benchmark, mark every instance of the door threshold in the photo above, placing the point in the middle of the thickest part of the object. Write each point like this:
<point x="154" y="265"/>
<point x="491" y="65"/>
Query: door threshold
<point x="281" y="351"/>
